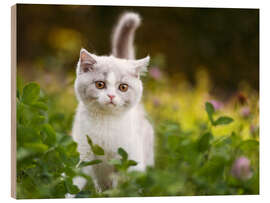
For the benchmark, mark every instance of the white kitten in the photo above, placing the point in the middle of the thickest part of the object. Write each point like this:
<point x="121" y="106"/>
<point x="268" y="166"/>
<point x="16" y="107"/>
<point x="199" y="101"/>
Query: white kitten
<point x="109" y="92"/>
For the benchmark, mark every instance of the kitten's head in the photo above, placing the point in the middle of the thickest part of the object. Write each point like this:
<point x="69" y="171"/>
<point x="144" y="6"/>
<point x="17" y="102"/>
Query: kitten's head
<point x="108" y="84"/>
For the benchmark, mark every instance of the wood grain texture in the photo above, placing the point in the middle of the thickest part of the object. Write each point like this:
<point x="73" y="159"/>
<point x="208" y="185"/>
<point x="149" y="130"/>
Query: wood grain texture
<point x="13" y="97"/>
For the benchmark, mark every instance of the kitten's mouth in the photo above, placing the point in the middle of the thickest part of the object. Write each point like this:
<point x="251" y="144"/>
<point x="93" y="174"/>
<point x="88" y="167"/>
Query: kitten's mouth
<point x="111" y="103"/>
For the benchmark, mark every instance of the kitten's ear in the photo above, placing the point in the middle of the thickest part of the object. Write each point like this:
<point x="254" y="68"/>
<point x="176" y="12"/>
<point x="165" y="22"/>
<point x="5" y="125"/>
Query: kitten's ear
<point x="141" y="66"/>
<point x="86" y="61"/>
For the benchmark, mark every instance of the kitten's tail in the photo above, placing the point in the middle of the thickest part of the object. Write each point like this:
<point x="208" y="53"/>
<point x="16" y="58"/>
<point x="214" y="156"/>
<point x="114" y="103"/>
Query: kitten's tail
<point x="123" y="35"/>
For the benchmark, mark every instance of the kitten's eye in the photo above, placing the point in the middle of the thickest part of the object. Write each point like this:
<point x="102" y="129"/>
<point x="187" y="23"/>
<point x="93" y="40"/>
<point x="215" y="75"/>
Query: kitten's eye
<point x="100" y="84"/>
<point x="123" y="87"/>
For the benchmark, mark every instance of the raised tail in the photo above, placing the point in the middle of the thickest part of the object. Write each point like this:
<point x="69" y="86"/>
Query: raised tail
<point x="123" y="35"/>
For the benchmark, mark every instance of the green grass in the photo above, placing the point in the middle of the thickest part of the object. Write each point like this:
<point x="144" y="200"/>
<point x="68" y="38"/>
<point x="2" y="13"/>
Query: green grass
<point x="198" y="146"/>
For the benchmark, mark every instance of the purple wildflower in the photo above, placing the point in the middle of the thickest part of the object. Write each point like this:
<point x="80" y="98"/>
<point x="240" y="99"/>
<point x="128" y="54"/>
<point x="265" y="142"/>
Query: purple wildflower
<point x="241" y="168"/>
<point x="155" y="73"/>
<point x="217" y="104"/>
<point x="245" y="111"/>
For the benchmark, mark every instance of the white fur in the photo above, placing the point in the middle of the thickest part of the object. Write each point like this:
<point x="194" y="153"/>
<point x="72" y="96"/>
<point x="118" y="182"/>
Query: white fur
<point x="124" y="32"/>
<point x="121" y="124"/>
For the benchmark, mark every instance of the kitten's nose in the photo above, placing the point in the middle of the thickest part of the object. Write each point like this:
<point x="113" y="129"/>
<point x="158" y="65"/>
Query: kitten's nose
<point x="111" y="96"/>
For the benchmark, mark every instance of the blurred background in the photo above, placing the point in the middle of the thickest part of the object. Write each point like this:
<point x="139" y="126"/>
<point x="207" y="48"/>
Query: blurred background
<point x="224" y="42"/>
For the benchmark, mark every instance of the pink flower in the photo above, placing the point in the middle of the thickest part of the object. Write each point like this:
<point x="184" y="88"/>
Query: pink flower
<point x="217" y="104"/>
<point x="155" y="73"/>
<point x="245" y="111"/>
<point x="241" y="168"/>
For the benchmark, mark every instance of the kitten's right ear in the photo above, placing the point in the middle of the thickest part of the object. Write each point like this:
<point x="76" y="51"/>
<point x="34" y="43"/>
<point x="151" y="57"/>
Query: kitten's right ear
<point x="86" y="61"/>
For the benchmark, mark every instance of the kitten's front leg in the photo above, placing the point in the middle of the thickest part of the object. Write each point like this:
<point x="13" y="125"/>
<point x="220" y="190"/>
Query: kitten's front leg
<point x="103" y="176"/>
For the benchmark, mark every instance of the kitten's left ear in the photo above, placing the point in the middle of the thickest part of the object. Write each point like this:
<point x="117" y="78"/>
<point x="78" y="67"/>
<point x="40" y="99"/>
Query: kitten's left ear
<point x="141" y="65"/>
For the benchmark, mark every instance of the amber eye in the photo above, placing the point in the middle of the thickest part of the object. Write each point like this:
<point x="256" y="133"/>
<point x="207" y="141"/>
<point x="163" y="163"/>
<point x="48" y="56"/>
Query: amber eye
<point x="123" y="87"/>
<point x="100" y="84"/>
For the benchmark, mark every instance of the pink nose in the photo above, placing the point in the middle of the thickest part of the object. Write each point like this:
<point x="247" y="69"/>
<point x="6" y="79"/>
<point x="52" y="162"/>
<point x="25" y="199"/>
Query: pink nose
<point x="111" y="96"/>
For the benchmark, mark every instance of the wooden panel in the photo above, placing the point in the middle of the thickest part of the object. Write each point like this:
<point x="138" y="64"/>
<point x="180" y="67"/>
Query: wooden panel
<point x="13" y="98"/>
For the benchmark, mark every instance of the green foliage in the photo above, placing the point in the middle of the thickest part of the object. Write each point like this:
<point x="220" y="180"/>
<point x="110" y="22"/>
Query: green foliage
<point x="204" y="142"/>
<point x="96" y="149"/>
<point x="30" y="93"/>
<point x="193" y="156"/>
<point x="123" y="164"/>
<point x="46" y="159"/>
<point x="223" y="120"/>
<point x="194" y="166"/>
<point x="210" y="111"/>
<point x="88" y="163"/>
<point x="197" y="162"/>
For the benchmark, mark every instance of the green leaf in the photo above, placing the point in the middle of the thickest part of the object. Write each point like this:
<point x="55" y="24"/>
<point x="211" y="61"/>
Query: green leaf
<point x="115" y="162"/>
<point x="209" y="108"/>
<point x="59" y="189"/>
<point x="22" y="153"/>
<point x="69" y="154"/>
<point x="122" y="153"/>
<point x="89" y="140"/>
<point x="40" y="105"/>
<point x="72" y="189"/>
<point x="132" y="163"/>
<point x="50" y="136"/>
<point x="30" y="93"/>
<point x="38" y="120"/>
<point x="213" y="169"/>
<point x="210" y="111"/>
<point x="65" y="140"/>
<point x="88" y="163"/>
<point x="27" y="134"/>
<point x="36" y="147"/>
<point x="97" y="150"/>
<point x="223" y="120"/>
<point x="204" y="142"/>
